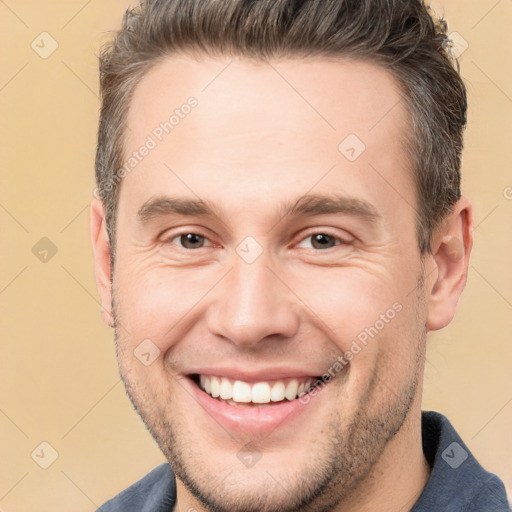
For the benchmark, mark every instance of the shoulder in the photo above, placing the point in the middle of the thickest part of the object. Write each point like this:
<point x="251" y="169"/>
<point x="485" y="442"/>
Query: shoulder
<point x="457" y="481"/>
<point x="155" y="491"/>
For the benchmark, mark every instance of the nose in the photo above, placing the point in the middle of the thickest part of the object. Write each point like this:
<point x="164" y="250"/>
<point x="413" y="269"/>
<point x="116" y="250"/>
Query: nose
<point x="252" y="303"/>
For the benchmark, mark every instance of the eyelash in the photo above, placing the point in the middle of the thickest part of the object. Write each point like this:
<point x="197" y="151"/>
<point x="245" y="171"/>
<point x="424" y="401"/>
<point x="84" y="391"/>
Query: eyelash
<point x="341" y="241"/>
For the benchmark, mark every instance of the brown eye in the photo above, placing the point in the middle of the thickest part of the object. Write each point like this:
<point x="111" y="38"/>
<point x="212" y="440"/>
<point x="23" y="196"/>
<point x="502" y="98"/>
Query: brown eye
<point x="322" y="241"/>
<point x="191" y="240"/>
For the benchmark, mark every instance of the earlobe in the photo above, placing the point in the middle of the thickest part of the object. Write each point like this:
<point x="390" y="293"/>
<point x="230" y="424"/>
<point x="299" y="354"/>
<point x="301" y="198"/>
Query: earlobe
<point x="451" y="248"/>
<point x="101" y="251"/>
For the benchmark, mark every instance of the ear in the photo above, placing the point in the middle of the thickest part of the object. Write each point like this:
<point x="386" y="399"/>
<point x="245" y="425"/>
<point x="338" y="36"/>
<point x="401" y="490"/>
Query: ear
<point x="451" y="248"/>
<point x="101" y="250"/>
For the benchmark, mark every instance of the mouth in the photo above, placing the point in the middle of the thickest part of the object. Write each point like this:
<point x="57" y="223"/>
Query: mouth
<point x="256" y="403"/>
<point x="255" y="394"/>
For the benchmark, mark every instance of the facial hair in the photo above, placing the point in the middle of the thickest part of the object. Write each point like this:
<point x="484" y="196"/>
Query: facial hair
<point x="341" y="465"/>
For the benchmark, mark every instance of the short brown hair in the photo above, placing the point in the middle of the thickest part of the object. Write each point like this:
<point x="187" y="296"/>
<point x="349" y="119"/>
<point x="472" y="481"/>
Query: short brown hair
<point x="400" y="35"/>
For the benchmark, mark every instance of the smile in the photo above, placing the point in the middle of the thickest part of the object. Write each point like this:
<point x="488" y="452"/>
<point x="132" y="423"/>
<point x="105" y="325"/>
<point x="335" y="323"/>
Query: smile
<point x="238" y="392"/>
<point x="256" y="402"/>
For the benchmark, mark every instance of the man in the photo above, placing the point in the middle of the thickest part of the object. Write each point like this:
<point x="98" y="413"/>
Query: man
<point x="278" y="224"/>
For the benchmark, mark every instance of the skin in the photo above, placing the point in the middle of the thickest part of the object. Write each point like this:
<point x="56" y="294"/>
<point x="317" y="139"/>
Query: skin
<point x="250" y="145"/>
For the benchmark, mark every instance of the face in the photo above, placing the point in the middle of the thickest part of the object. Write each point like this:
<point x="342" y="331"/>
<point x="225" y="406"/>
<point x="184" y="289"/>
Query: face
<point x="266" y="242"/>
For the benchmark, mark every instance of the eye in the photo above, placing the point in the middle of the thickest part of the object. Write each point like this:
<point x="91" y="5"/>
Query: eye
<point x="189" y="240"/>
<point x="321" y="240"/>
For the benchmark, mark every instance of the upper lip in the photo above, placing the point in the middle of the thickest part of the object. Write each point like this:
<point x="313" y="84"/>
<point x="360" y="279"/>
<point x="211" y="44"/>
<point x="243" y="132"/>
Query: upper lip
<point x="266" y="374"/>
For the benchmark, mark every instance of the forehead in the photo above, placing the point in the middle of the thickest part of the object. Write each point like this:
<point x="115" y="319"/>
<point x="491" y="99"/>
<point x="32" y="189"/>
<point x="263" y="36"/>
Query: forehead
<point x="273" y="128"/>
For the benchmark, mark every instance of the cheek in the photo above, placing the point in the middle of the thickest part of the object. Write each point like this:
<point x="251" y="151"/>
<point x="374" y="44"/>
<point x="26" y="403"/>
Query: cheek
<point x="348" y="300"/>
<point x="151" y="300"/>
<point x="368" y="318"/>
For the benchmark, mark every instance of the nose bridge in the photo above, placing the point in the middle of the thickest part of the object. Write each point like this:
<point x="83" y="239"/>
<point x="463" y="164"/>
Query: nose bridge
<point x="252" y="304"/>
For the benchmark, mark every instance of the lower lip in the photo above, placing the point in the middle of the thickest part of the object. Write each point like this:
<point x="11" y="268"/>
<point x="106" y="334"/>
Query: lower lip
<point x="250" y="419"/>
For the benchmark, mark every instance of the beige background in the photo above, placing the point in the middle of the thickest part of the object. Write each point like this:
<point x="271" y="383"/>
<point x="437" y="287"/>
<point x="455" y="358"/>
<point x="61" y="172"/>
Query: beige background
<point x="59" y="380"/>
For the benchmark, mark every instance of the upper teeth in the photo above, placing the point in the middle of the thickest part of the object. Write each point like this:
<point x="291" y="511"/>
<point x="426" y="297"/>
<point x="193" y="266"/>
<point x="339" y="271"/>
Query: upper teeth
<point x="258" y="392"/>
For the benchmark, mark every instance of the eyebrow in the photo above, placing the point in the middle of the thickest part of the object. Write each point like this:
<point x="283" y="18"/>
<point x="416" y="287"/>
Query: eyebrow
<point x="161" y="206"/>
<point x="314" y="204"/>
<point x="307" y="205"/>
